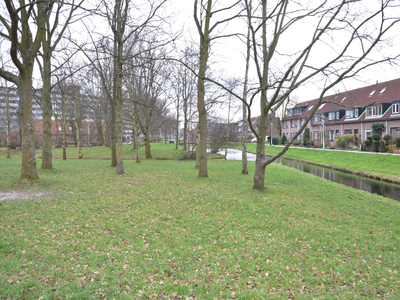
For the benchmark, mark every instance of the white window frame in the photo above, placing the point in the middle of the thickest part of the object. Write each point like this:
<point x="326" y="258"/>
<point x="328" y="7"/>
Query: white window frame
<point x="395" y="108"/>
<point x="337" y="115"/>
<point x="332" y="116"/>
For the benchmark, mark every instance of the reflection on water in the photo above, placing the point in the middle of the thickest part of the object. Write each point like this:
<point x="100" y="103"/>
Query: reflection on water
<point x="373" y="186"/>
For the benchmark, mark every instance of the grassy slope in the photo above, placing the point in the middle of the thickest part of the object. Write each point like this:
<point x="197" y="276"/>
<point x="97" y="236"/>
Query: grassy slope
<point x="159" y="231"/>
<point x="369" y="163"/>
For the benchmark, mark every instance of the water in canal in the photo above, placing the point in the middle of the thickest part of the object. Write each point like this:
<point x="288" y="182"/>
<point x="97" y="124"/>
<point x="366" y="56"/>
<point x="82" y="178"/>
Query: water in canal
<point x="384" y="189"/>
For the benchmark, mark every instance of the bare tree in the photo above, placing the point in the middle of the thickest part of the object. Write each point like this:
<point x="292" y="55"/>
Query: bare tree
<point x="25" y="43"/>
<point x="51" y="39"/>
<point x="202" y="17"/>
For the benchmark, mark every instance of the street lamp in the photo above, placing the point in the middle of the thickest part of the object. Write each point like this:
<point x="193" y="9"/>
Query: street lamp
<point x="271" y="132"/>
<point x="323" y="131"/>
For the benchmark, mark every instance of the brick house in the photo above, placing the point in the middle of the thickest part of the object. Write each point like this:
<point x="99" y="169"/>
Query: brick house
<point x="255" y="121"/>
<point x="381" y="100"/>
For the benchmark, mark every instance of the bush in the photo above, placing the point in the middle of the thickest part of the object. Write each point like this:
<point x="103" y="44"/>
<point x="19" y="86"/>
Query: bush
<point x="284" y="140"/>
<point x="306" y="137"/>
<point x="376" y="137"/>
<point x="378" y="128"/>
<point x="368" y="143"/>
<point x="383" y="147"/>
<point x="397" y="141"/>
<point x="349" y="138"/>
<point x="275" y="141"/>
<point x="343" y="141"/>
<point x="376" y="146"/>
<point x="309" y="144"/>
<point x="387" y="138"/>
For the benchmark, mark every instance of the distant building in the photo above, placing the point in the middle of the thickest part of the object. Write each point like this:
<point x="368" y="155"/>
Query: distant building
<point x="338" y="115"/>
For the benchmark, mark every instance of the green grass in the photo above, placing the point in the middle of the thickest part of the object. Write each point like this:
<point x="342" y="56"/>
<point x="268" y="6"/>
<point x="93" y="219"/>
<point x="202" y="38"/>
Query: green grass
<point x="158" y="151"/>
<point x="384" y="166"/>
<point x="158" y="231"/>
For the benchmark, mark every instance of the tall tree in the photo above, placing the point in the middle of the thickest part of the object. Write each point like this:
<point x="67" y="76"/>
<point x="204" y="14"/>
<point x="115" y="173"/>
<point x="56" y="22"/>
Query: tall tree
<point x="25" y="43"/>
<point x="51" y="37"/>
<point x="202" y="17"/>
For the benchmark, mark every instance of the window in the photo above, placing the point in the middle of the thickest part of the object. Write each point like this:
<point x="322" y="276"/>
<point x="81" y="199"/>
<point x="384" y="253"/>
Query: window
<point x="374" y="111"/>
<point x="349" y="114"/>
<point x="383" y="90"/>
<point x="331" y="134"/>
<point x="394" y="132"/>
<point x="301" y="122"/>
<point x="373" y="92"/>
<point x="293" y="123"/>
<point x="348" y="131"/>
<point x="310" y="107"/>
<point x="70" y="128"/>
<point x="59" y="128"/>
<point x="331" y="116"/>
<point x="343" y="99"/>
<point x="337" y="115"/>
<point x="356" y="113"/>
<point x="316" y="135"/>
<point x="368" y="132"/>
<point x="322" y="105"/>
<point x="395" y="108"/>
<point x="317" y="118"/>
<point x="284" y="124"/>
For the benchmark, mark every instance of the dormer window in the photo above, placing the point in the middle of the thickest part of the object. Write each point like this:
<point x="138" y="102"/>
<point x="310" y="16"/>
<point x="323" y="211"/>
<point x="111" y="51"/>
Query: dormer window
<point x="374" y="111"/>
<point x="310" y="107"/>
<point x="383" y="90"/>
<point x="373" y="92"/>
<point x="322" y="105"/>
<point x="395" y="108"/>
<point x="343" y="99"/>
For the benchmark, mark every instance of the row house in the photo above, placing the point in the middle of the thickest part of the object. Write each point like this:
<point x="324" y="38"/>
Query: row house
<point x="351" y="112"/>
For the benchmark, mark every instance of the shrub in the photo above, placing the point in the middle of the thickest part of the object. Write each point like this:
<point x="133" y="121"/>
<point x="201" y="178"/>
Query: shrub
<point x="378" y="128"/>
<point x="342" y="141"/>
<point x="284" y="140"/>
<point x="309" y="144"/>
<point x="355" y="147"/>
<point x="306" y="137"/>
<point x="376" y="146"/>
<point x="376" y="137"/>
<point x="368" y="142"/>
<point x="383" y="147"/>
<point x="387" y="138"/>
<point x="397" y="141"/>
<point x="349" y="138"/>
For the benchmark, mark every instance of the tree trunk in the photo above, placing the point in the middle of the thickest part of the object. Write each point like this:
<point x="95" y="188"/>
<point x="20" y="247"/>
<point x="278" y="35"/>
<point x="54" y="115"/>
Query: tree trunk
<point x="185" y="136"/>
<point x="107" y="135"/>
<point x="77" y="126"/>
<point x="64" y="126"/>
<point x="204" y="47"/>
<point x="147" y="147"/>
<point x="260" y="154"/>
<point x="245" y="169"/>
<point x="197" y="147"/>
<point x="8" y="118"/>
<point x="28" y="169"/>
<point x="47" y="155"/>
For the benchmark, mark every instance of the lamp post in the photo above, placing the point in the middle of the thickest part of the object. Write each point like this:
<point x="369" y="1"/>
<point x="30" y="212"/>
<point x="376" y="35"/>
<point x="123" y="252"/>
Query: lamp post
<point x="272" y="124"/>
<point x="323" y="131"/>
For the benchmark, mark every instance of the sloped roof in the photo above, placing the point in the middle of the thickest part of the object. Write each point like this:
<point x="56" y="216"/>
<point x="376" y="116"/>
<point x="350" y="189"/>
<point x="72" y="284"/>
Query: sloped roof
<point x="384" y="93"/>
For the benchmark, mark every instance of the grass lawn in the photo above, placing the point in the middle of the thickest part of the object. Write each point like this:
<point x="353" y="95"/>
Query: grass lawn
<point x="160" y="232"/>
<point x="158" y="151"/>
<point x="385" y="166"/>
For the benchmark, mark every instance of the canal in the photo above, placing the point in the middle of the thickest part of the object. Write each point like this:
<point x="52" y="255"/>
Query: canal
<point x="382" y="188"/>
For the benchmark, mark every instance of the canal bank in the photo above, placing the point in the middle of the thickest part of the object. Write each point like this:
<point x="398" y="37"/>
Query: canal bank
<point x="349" y="178"/>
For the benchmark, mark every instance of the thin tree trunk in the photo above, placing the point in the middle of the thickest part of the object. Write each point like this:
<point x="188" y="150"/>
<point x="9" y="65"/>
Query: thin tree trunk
<point x="78" y="138"/>
<point x="259" y="182"/>
<point x="64" y="126"/>
<point x="245" y="169"/>
<point x="8" y="118"/>
<point x="197" y="147"/>
<point x="47" y="154"/>
<point x="136" y="142"/>
<point x="147" y="145"/>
